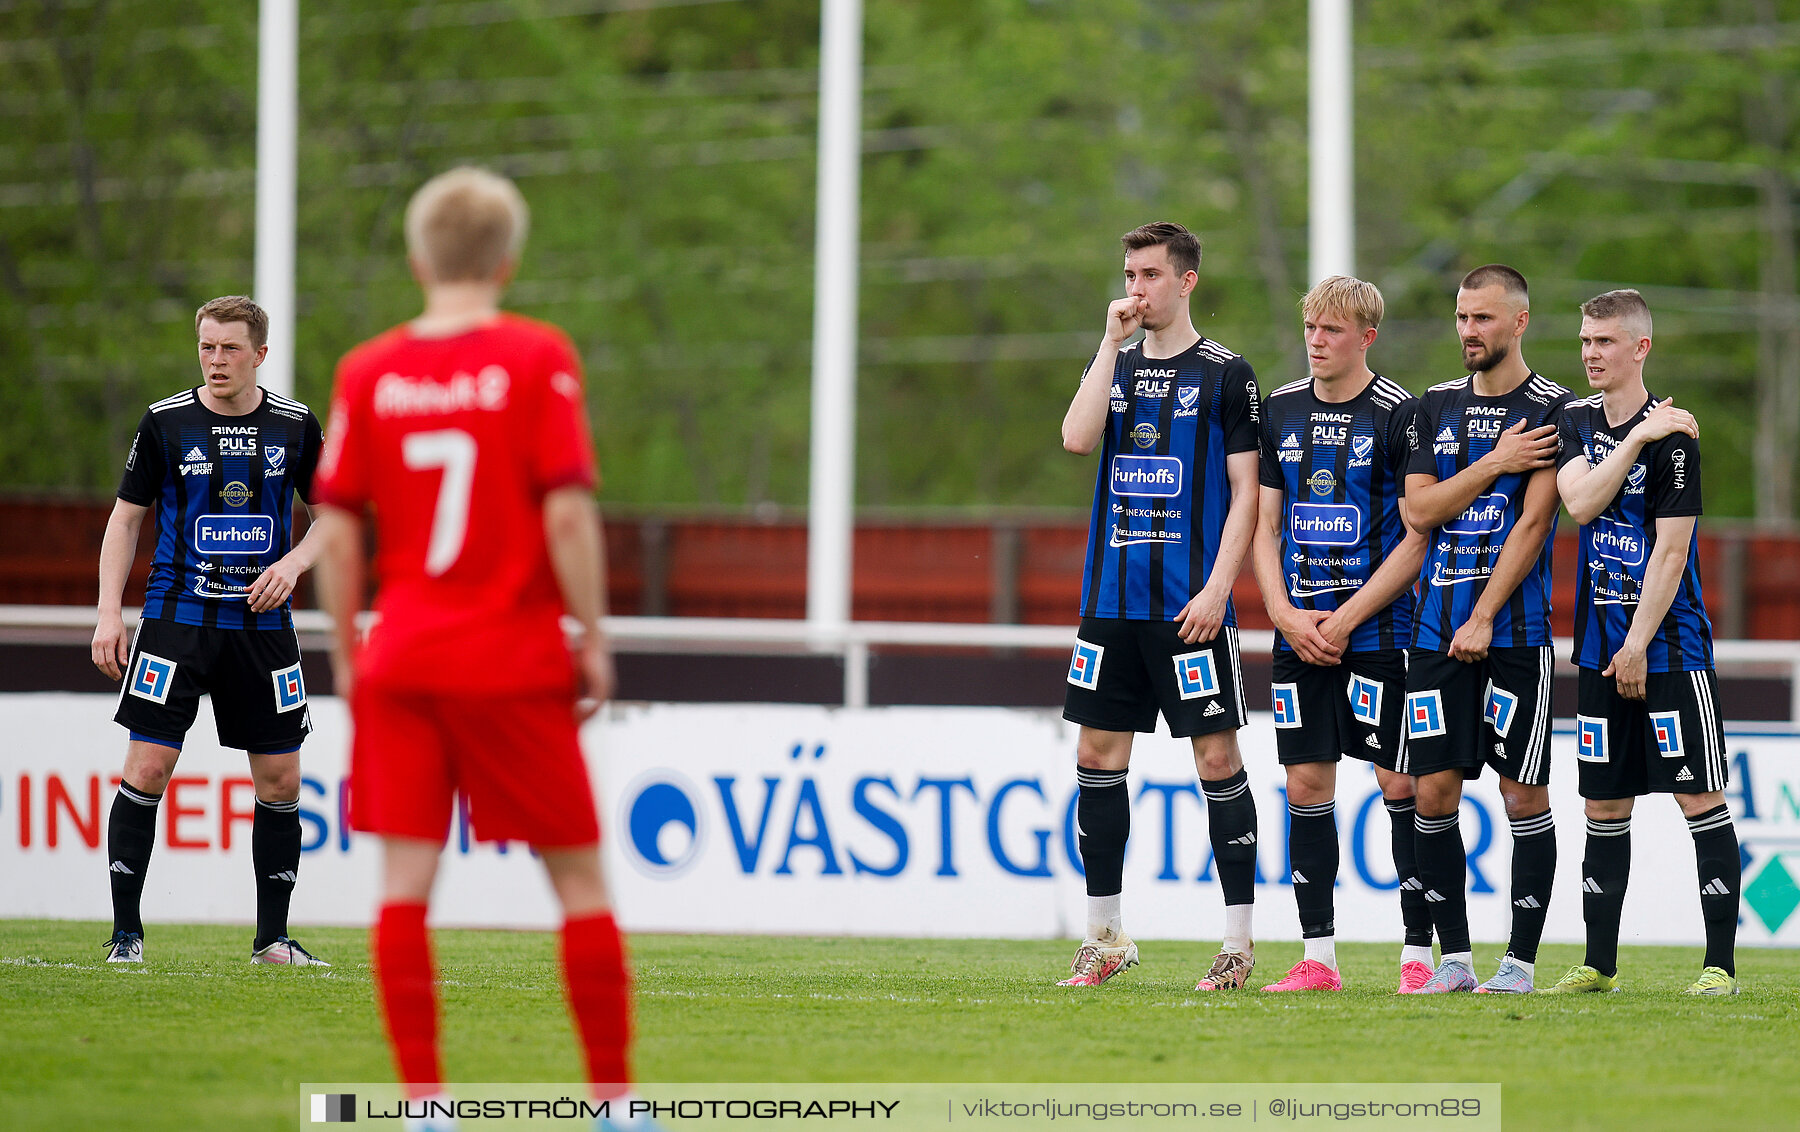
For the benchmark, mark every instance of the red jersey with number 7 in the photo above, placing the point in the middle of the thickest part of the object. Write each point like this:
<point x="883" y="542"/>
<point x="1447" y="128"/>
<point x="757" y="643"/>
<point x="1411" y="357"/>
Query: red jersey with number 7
<point x="453" y="443"/>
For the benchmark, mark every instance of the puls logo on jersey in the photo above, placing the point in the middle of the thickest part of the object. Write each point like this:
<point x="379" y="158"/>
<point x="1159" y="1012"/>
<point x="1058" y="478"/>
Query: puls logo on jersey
<point x="1155" y="476"/>
<point x="1289" y="452"/>
<point x="237" y="446"/>
<point x="1484" y="516"/>
<point x="1330" y="436"/>
<point x="1153" y="388"/>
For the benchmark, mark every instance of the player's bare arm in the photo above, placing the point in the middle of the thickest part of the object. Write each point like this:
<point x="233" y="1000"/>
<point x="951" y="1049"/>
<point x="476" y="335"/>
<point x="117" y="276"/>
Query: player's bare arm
<point x="1299" y="627"/>
<point x="1517" y="557"/>
<point x="1202" y="617"/>
<point x="577" y="555"/>
<point x="1668" y="561"/>
<point x="1394" y="576"/>
<point x="1085" y="421"/>
<point x="276" y="584"/>
<point x="338" y="538"/>
<point x="111" y="648"/>
<point x="1434" y="503"/>
<point x="1587" y="490"/>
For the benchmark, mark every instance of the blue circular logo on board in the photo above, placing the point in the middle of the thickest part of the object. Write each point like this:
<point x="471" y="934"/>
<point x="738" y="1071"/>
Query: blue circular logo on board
<point x="663" y="828"/>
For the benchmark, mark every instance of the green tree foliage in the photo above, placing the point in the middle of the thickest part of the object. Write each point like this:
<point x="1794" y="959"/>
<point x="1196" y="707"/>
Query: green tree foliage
<point x="667" y="149"/>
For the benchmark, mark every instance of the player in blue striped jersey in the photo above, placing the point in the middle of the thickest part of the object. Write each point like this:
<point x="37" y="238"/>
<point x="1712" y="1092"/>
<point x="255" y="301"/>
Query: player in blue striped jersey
<point x="1336" y="563"/>
<point x="1482" y="487"/>
<point x="221" y="464"/>
<point x="1648" y="717"/>
<point x="1175" y="419"/>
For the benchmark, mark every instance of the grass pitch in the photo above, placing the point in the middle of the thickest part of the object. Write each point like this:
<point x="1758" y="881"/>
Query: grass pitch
<point x="199" y="1039"/>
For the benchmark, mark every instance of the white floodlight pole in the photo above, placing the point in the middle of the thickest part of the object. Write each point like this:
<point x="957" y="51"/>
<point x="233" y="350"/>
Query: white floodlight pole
<point x="833" y="487"/>
<point x="1331" y="141"/>
<point x="277" y="121"/>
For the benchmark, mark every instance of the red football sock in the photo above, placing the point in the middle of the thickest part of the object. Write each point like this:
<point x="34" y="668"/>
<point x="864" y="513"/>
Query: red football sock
<point x="401" y="954"/>
<point x="599" y="995"/>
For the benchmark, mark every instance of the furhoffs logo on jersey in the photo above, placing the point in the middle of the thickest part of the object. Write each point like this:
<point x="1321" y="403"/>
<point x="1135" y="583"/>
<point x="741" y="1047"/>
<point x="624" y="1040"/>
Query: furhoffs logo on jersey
<point x="1484" y="516"/>
<point x="1617" y="541"/>
<point x="1325" y="524"/>
<point x="1590" y="739"/>
<point x="1499" y="709"/>
<point x="274" y="459"/>
<point x="664" y="831"/>
<point x="234" y="534"/>
<point x="1194" y="675"/>
<point x="1158" y="476"/>
<point x="290" y="688"/>
<point x="1666" y="726"/>
<point x="1365" y="699"/>
<point x="1144" y="435"/>
<point x="1084" y="665"/>
<point x="1284" y="700"/>
<point x="151" y="677"/>
<point x="1424" y="714"/>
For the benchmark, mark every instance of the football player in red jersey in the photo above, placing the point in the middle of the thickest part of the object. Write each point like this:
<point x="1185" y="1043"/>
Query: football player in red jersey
<point x="465" y="432"/>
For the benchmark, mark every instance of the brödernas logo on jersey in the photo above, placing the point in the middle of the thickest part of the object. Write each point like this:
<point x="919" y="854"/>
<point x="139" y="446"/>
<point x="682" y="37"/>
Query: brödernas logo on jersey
<point x="398" y="396"/>
<point x="1158" y="476"/>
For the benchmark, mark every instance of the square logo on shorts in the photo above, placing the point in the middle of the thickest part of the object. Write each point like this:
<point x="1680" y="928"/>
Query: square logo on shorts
<point x="1365" y="699"/>
<point x="1666" y="726"/>
<point x="151" y="677"/>
<point x="1501" y="706"/>
<point x="1084" y="666"/>
<point x="1590" y="739"/>
<point x="1424" y="714"/>
<point x="1285" y="700"/>
<point x="1194" y="675"/>
<point x="290" y="689"/>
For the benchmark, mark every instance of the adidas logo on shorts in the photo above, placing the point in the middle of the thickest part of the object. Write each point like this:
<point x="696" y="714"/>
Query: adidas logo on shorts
<point x="1684" y="775"/>
<point x="1715" y="887"/>
<point x="1527" y="902"/>
<point x="1372" y="741"/>
<point x="1213" y="709"/>
<point x="1589" y="884"/>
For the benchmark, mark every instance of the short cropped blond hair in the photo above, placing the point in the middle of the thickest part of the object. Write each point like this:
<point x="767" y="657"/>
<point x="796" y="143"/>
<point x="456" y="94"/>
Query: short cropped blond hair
<point x="462" y="225"/>
<point x="1342" y="294"/>
<point x="236" y="308"/>
<point x="1627" y="306"/>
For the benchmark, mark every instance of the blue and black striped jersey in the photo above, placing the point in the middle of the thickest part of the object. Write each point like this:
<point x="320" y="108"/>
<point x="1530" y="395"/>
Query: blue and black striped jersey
<point x="224" y="493"/>
<point x="1341" y="470"/>
<point x="1162" y="493"/>
<point x="1456" y="428"/>
<point x="1616" y="546"/>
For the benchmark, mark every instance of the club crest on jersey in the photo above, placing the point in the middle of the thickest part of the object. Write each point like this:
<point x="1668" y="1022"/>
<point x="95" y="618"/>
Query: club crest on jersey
<point x="1634" y="479"/>
<point x="290" y="689"/>
<point x="275" y="459"/>
<point x="1144" y="435"/>
<point x="1084" y="666"/>
<point x="151" y="677"/>
<point x="1424" y="714"/>
<point x="1590" y="739"/>
<point x="1155" y="476"/>
<point x="1188" y="397"/>
<point x="1365" y="699"/>
<point x="1499" y="709"/>
<point x="1362" y="446"/>
<point x="1194" y="675"/>
<point x="1666" y="726"/>
<point x="1285" y="700"/>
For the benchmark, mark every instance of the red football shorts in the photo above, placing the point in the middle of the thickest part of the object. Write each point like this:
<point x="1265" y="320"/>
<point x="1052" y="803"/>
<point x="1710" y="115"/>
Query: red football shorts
<point x="516" y="759"/>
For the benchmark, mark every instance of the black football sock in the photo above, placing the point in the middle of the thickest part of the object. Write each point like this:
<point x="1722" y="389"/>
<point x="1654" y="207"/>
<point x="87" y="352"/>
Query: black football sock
<point x="1716" y="855"/>
<point x="1313" y="853"/>
<point x="1605" y="872"/>
<point x="1533" y="873"/>
<point x="1415" y="914"/>
<point x="1103" y="823"/>
<point x="1444" y="870"/>
<point x="1231" y="821"/>
<point x="275" y="852"/>
<point x="130" y="836"/>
